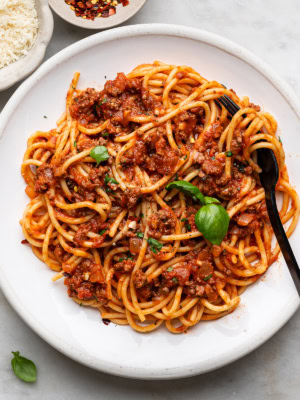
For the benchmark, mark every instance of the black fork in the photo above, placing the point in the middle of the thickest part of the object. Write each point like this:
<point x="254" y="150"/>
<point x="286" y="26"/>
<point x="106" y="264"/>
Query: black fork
<point x="269" y="178"/>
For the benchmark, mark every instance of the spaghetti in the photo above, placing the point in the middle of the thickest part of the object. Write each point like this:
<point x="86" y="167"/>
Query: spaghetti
<point x="100" y="215"/>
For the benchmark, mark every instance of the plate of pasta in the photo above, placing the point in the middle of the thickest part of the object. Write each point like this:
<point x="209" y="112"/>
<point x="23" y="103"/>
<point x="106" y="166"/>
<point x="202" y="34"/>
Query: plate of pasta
<point x="134" y="210"/>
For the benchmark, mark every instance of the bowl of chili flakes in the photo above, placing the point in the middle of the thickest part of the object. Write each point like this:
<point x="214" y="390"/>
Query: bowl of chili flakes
<point x="96" y="14"/>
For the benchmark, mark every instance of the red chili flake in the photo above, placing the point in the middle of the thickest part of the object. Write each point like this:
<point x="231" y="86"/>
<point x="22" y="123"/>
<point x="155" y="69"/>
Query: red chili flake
<point x="91" y="9"/>
<point x="24" y="241"/>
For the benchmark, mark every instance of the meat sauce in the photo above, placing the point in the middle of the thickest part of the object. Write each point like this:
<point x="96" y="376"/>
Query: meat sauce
<point x="120" y="102"/>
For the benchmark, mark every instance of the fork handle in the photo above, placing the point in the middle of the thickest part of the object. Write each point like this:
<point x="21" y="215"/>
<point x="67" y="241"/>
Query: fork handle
<point x="282" y="239"/>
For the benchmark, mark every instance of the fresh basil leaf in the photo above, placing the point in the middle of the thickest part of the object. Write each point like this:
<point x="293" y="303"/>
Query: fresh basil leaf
<point x="99" y="153"/>
<point x="187" y="188"/>
<point x="109" y="179"/>
<point x="154" y="245"/>
<point x="212" y="220"/>
<point x="209" y="200"/>
<point x="24" y="369"/>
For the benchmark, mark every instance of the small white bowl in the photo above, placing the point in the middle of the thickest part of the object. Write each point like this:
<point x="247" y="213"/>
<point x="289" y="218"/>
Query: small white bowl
<point x="24" y="66"/>
<point x="123" y="14"/>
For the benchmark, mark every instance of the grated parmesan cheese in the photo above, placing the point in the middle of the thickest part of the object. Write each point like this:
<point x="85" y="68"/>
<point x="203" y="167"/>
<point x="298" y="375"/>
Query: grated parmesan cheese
<point x="18" y="29"/>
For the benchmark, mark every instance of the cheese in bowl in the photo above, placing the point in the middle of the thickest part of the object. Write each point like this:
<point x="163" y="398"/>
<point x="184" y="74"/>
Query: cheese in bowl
<point x="18" y="29"/>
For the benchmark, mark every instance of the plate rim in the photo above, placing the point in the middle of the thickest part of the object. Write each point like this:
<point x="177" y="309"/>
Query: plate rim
<point x="102" y="37"/>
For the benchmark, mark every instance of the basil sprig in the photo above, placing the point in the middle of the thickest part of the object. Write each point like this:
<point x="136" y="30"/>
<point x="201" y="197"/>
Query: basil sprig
<point x="212" y="220"/>
<point x="187" y="188"/>
<point x="24" y="369"/>
<point x="99" y="153"/>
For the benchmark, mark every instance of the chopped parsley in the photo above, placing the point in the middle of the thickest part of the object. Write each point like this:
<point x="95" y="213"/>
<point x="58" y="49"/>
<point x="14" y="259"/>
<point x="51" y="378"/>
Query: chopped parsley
<point x="207" y="277"/>
<point x="142" y="215"/>
<point x="140" y="235"/>
<point x="169" y="269"/>
<point x="108" y="190"/>
<point x="108" y="179"/>
<point x="105" y="133"/>
<point x="80" y="305"/>
<point x="129" y="257"/>
<point x="155" y="245"/>
<point x="213" y="158"/>
<point x="45" y="116"/>
<point x="279" y="138"/>
<point x="102" y="101"/>
<point x="101" y="232"/>
<point x="176" y="176"/>
<point x="75" y="143"/>
<point x="188" y="227"/>
<point x="185" y="157"/>
<point x="175" y="280"/>
<point x="183" y="219"/>
<point x="228" y="153"/>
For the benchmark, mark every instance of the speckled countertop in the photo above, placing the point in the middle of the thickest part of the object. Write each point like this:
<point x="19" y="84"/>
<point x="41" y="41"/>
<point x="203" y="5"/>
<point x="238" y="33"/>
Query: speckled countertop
<point x="271" y="30"/>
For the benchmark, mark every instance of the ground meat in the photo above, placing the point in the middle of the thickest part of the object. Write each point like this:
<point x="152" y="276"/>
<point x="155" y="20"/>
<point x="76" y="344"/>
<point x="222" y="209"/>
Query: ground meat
<point x="256" y="108"/>
<point x="178" y="275"/>
<point x="117" y="86"/>
<point x="192" y="289"/>
<point x="81" y="180"/>
<point x="124" y="266"/>
<point x="83" y="106"/>
<point x="87" y="143"/>
<point x="136" y="155"/>
<point x="94" y="225"/>
<point x="213" y="166"/>
<point x="165" y="158"/>
<point x="44" y="178"/>
<point x="205" y="269"/>
<point x="97" y="175"/>
<point x="237" y="142"/>
<point x="242" y="231"/>
<point x="185" y="124"/>
<point x="61" y="254"/>
<point x="86" y="282"/>
<point x="149" y="101"/>
<point x="140" y="279"/>
<point x="154" y="155"/>
<point x="222" y="186"/>
<point x="161" y="223"/>
<point x="130" y="197"/>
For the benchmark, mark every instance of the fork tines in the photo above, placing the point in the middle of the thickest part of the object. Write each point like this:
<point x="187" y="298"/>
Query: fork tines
<point x="229" y="104"/>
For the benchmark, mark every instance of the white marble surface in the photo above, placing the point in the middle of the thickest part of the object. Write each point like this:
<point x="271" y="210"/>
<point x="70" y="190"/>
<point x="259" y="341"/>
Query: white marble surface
<point x="270" y="29"/>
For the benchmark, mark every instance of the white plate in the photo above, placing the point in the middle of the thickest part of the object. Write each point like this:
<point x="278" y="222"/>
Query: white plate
<point x="26" y="282"/>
